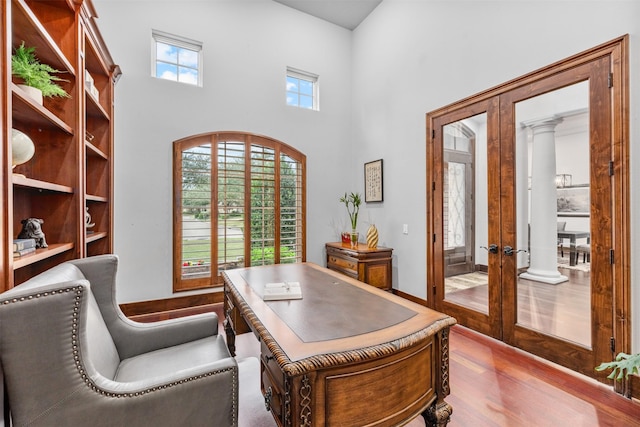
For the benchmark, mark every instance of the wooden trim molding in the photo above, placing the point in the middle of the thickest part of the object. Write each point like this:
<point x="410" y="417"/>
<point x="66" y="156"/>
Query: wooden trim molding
<point x="634" y="387"/>
<point x="162" y="309"/>
<point x="410" y="297"/>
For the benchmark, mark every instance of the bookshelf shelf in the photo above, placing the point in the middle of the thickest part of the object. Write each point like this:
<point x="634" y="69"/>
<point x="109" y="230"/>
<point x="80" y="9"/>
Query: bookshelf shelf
<point x="22" y="181"/>
<point x="41" y="254"/>
<point x="95" y="236"/>
<point x="71" y="172"/>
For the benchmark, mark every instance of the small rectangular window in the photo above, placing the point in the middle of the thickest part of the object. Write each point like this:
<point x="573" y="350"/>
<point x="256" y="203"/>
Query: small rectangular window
<point x="302" y="89"/>
<point x="176" y="58"/>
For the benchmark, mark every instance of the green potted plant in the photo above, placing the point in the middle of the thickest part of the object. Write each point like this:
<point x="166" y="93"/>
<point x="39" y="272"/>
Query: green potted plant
<point x="623" y="366"/>
<point x="34" y="74"/>
<point x="352" y="203"/>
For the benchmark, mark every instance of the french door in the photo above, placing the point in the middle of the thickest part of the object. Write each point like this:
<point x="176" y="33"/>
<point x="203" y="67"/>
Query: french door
<point x="523" y="193"/>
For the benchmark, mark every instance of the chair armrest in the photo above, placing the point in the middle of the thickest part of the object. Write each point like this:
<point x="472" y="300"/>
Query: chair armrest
<point x="134" y="338"/>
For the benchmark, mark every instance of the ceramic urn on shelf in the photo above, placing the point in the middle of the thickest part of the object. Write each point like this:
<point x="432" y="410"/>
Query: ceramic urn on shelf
<point x="22" y="148"/>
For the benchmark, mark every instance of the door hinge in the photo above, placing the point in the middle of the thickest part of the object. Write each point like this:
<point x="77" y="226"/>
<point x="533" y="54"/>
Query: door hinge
<point x="610" y="80"/>
<point x="433" y="186"/>
<point x="611" y="256"/>
<point x="611" y="168"/>
<point x="434" y="289"/>
<point x="434" y="237"/>
<point x="433" y="133"/>
<point x="612" y="344"/>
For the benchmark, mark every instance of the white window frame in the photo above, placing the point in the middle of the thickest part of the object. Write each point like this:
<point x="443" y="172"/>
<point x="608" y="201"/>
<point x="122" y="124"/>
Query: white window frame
<point x="310" y="77"/>
<point x="177" y="41"/>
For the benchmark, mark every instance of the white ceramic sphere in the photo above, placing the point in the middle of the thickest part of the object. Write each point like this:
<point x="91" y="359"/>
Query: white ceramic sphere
<point x="22" y="147"/>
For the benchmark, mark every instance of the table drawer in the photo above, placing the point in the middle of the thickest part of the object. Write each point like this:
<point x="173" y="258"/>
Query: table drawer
<point x="272" y="382"/>
<point x="342" y="263"/>
<point x="270" y="364"/>
<point x="272" y="396"/>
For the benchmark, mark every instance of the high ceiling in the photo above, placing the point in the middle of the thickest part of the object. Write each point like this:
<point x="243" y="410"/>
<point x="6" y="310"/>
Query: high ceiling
<point x="345" y="13"/>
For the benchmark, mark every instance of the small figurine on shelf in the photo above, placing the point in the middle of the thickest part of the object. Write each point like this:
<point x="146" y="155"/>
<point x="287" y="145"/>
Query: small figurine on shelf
<point x="87" y="221"/>
<point x="32" y="229"/>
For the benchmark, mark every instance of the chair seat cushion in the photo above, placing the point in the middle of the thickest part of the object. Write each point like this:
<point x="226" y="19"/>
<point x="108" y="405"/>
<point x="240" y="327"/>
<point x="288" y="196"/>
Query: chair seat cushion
<point x="171" y="360"/>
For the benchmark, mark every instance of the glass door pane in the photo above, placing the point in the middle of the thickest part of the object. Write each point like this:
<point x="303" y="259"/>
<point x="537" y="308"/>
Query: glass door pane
<point x="553" y="214"/>
<point x="465" y="213"/>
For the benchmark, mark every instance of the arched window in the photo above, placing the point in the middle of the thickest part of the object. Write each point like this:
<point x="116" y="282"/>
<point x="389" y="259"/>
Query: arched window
<point x="239" y="200"/>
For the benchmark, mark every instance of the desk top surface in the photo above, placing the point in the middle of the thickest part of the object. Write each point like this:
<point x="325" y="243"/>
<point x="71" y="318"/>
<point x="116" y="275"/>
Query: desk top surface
<point x="336" y="313"/>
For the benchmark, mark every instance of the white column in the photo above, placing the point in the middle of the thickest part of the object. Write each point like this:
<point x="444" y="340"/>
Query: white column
<point x="522" y="194"/>
<point x="543" y="265"/>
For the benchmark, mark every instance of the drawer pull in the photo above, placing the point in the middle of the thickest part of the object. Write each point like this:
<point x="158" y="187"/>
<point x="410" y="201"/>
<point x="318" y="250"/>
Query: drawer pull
<point x="267" y="399"/>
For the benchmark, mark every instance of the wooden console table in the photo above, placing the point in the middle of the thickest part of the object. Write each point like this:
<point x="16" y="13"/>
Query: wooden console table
<point x="371" y="266"/>
<point x="346" y="354"/>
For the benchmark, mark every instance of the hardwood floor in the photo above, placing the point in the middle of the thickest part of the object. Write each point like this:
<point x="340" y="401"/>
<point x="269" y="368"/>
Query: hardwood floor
<point x="560" y="310"/>
<point x="496" y="385"/>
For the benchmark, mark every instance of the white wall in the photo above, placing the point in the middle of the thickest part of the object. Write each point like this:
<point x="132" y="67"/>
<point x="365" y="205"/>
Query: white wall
<point x="412" y="57"/>
<point x="247" y="47"/>
<point x="407" y="58"/>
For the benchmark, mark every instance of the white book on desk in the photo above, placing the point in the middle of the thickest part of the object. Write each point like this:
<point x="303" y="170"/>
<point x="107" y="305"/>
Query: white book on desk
<point x="281" y="291"/>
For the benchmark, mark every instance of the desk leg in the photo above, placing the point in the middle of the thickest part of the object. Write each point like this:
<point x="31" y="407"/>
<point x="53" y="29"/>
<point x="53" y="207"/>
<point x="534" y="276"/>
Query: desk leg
<point x="439" y="414"/>
<point x="231" y="334"/>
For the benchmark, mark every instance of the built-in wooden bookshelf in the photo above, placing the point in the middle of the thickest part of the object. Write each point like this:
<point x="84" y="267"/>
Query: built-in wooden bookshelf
<point x="72" y="169"/>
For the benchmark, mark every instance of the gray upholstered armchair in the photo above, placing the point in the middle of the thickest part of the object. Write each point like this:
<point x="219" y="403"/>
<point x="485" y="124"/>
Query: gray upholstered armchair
<point x="68" y="356"/>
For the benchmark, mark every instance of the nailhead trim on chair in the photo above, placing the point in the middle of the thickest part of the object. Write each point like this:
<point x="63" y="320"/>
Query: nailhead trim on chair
<point x="76" y="356"/>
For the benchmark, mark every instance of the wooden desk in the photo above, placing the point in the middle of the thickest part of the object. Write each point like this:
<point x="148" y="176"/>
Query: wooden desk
<point x="346" y="354"/>
<point x="371" y="266"/>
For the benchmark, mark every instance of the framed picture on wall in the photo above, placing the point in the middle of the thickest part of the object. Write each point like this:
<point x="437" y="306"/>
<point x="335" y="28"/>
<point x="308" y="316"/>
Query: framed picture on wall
<point x="574" y="201"/>
<point x="373" y="181"/>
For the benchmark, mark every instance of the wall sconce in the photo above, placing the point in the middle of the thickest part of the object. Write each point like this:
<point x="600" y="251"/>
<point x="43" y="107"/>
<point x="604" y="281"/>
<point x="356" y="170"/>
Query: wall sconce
<point x="563" y="180"/>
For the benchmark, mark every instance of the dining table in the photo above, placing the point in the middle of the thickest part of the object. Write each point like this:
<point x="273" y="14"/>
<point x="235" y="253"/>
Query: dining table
<point x="573" y="236"/>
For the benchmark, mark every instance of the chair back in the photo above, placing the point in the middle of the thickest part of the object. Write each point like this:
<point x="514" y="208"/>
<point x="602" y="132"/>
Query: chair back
<point x="41" y="327"/>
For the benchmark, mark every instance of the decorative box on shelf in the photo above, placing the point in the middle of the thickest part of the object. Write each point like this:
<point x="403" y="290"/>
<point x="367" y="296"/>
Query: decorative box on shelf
<point x="89" y="82"/>
<point x="372" y="266"/>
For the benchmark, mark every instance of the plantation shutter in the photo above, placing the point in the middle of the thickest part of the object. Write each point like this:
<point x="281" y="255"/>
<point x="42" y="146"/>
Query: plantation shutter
<point x="263" y="205"/>
<point x="291" y="209"/>
<point x="240" y="204"/>
<point x="231" y="205"/>
<point x="195" y="215"/>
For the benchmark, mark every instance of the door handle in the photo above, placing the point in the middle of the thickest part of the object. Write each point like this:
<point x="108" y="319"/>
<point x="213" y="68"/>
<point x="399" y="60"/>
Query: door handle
<point x="508" y="250"/>
<point x="492" y="249"/>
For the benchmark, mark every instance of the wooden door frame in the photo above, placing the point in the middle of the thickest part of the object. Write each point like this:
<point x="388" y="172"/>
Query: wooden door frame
<point x="541" y="344"/>
<point x="617" y="50"/>
<point x="488" y="324"/>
